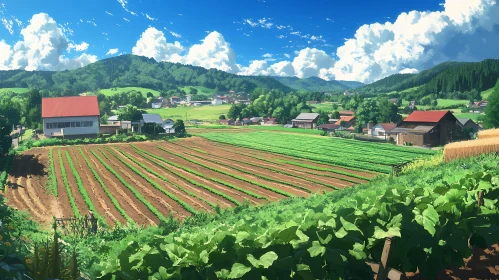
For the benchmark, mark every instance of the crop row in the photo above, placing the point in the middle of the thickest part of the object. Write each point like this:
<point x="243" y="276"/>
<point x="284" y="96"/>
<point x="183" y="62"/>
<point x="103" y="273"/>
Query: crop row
<point x="148" y="156"/>
<point x="232" y="175"/>
<point x="186" y="206"/>
<point x="305" y="155"/>
<point x="83" y="191"/>
<point x="313" y="145"/>
<point x="71" y="198"/>
<point x="52" y="179"/>
<point x="267" y="168"/>
<point x="166" y="179"/>
<point x="137" y="194"/>
<point x="106" y="190"/>
<point x="308" y="167"/>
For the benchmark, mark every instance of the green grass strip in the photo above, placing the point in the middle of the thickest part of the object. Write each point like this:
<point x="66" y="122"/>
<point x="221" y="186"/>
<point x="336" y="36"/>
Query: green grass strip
<point x="72" y="202"/>
<point x="186" y="206"/>
<point x="166" y="179"/>
<point x="83" y="191"/>
<point x="234" y="176"/>
<point x="106" y="190"/>
<point x="52" y="179"/>
<point x="258" y="166"/>
<point x="146" y="155"/>
<point x="138" y="195"/>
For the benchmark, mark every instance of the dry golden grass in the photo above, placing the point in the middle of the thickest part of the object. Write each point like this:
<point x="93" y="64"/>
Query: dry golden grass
<point x="490" y="133"/>
<point x="471" y="148"/>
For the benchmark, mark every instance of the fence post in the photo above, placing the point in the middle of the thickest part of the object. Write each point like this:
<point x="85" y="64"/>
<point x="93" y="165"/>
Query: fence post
<point x="93" y="222"/>
<point x="383" y="266"/>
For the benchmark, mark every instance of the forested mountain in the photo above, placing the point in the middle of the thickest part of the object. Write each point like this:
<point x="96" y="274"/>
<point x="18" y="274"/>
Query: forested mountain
<point x="442" y="79"/>
<point x="131" y="70"/>
<point x="317" y="84"/>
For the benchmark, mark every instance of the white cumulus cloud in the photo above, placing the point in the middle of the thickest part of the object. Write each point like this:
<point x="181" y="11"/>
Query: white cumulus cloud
<point x="112" y="51"/>
<point x="152" y="43"/>
<point x="42" y="48"/>
<point x="78" y="47"/>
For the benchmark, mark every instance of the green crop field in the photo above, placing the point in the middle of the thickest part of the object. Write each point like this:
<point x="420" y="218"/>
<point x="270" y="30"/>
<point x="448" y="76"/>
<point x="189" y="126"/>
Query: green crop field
<point x="441" y="103"/>
<point x="359" y="155"/>
<point x="144" y="91"/>
<point x="15" y="90"/>
<point x="204" y="113"/>
<point x="486" y="93"/>
<point x="472" y="116"/>
<point x="286" y="130"/>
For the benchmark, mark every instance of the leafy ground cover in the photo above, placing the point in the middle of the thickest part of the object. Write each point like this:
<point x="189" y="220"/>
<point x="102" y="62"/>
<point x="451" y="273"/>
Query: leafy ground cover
<point x="343" y="152"/>
<point x="430" y="211"/>
<point x="204" y="113"/>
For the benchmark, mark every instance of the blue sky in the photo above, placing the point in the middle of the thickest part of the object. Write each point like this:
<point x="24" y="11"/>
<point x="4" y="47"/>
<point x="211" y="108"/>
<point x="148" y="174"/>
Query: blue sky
<point x="266" y="37"/>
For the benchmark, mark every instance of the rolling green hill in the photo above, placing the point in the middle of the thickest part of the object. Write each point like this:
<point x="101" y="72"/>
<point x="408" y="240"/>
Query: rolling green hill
<point x="445" y="77"/>
<point x="317" y="84"/>
<point x="134" y="71"/>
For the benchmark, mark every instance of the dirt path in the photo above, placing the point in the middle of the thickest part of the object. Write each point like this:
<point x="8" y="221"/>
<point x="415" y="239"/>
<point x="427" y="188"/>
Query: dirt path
<point x="153" y="196"/>
<point x="101" y="202"/>
<point x="169" y="186"/>
<point x="238" y="195"/>
<point x="285" y="188"/>
<point x="177" y="208"/>
<point x="78" y="198"/>
<point x="273" y="156"/>
<point x="323" y="176"/>
<point x="130" y="204"/>
<point x="62" y="199"/>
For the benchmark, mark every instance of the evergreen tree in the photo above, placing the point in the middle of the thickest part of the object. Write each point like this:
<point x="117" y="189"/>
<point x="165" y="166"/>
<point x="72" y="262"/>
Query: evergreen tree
<point x="491" y="119"/>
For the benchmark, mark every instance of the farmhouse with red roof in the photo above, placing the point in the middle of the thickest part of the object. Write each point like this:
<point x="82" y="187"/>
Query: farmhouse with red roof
<point x="427" y="128"/>
<point x="71" y="117"/>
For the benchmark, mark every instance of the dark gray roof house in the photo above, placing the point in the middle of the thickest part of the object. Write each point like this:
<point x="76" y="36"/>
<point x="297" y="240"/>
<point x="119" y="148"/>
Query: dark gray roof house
<point x="306" y="120"/>
<point x="152" y="118"/>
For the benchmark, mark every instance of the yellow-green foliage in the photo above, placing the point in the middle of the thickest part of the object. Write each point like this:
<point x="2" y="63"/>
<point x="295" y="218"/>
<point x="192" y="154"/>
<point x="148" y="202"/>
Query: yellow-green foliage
<point x="470" y="148"/>
<point x="490" y="133"/>
<point x="426" y="162"/>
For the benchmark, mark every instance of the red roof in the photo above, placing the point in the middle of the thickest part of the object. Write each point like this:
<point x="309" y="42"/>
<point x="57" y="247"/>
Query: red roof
<point x="388" y="126"/>
<point x="426" y="116"/>
<point x="71" y="106"/>
<point x="345" y="119"/>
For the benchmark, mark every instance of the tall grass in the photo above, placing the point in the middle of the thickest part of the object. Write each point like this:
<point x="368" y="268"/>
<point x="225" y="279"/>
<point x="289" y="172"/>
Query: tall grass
<point x="467" y="149"/>
<point x="490" y="133"/>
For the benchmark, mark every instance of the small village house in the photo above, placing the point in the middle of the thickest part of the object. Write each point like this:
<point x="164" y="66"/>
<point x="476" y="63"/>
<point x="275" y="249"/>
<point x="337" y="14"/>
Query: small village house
<point x="346" y="113"/>
<point x="227" y="122"/>
<point x="216" y="101"/>
<point x="306" y="120"/>
<point x="269" y="121"/>
<point x="348" y="122"/>
<point x="380" y="130"/>
<point x="71" y="117"/>
<point x="168" y="126"/>
<point x="175" y="99"/>
<point x="468" y="126"/>
<point x="247" y="121"/>
<point x="156" y="105"/>
<point x="330" y="127"/>
<point x="427" y="128"/>
<point x="479" y="106"/>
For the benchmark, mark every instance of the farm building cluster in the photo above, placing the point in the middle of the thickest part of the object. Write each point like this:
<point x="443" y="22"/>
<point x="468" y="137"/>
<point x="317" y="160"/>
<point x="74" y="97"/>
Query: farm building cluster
<point x="79" y="117"/>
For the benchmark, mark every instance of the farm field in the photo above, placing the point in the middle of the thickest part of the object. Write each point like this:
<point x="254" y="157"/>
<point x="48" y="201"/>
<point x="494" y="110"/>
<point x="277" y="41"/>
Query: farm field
<point x="201" y="90"/>
<point x="353" y="154"/>
<point x="204" y="113"/>
<point x="144" y="91"/>
<point x="15" y="90"/>
<point x="144" y="183"/>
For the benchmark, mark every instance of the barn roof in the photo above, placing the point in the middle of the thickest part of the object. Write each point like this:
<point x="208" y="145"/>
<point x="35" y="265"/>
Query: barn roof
<point x="388" y="126"/>
<point x="152" y="118"/>
<point x="307" y="116"/>
<point x="426" y="116"/>
<point x="345" y="119"/>
<point x="70" y="106"/>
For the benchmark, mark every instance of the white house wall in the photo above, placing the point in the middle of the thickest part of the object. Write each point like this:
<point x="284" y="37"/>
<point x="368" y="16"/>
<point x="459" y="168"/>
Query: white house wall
<point x="94" y="129"/>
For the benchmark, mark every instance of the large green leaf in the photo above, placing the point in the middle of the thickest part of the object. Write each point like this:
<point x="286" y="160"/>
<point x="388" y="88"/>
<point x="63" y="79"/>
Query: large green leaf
<point x="265" y="261"/>
<point x="238" y="270"/>
<point x="428" y="219"/>
<point x="316" y="249"/>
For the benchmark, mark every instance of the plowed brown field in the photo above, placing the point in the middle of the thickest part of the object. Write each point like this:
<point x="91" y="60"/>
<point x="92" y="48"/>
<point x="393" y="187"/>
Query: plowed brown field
<point x="147" y="182"/>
